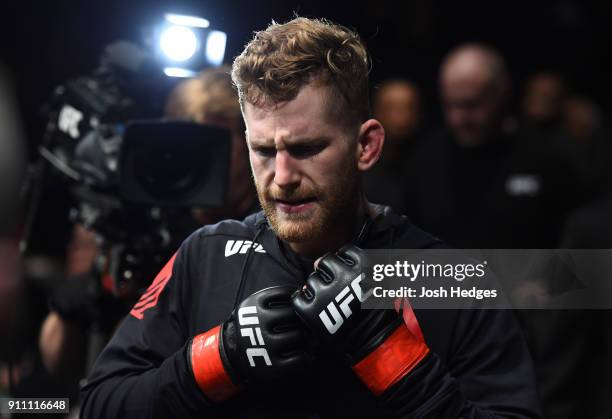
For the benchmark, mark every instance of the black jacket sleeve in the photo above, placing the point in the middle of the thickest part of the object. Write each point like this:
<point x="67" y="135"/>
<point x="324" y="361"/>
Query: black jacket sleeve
<point x="489" y="373"/>
<point x="143" y="371"/>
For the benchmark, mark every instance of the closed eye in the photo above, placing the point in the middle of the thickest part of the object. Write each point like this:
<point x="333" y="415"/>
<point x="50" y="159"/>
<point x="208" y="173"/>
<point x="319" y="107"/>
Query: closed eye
<point x="305" y="151"/>
<point x="265" y="151"/>
<point x="298" y="151"/>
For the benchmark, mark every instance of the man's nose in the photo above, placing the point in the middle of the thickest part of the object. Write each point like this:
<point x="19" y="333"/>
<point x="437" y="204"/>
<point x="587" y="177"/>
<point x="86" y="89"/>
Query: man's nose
<point x="286" y="170"/>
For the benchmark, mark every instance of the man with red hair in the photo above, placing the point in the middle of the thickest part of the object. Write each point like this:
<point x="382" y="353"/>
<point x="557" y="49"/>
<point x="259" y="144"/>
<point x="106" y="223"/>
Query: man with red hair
<point x="234" y="327"/>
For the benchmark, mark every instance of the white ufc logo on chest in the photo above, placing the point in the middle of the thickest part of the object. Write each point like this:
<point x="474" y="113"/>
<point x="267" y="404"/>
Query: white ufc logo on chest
<point x="233" y="247"/>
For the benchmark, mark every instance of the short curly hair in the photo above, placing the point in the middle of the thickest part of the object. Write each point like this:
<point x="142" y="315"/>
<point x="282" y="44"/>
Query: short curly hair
<point x="283" y="58"/>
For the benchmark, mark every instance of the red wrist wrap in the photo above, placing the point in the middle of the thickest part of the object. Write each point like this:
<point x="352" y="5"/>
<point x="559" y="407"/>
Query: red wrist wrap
<point x="208" y="368"/>
<point x="391" y="361"/>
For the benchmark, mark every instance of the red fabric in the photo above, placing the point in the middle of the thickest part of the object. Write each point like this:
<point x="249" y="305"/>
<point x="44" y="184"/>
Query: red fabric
<point x="392" y="360"/>
<point x="409" y="318"/>
<point x="208" y="367"/>
<point x="151" y="295"/>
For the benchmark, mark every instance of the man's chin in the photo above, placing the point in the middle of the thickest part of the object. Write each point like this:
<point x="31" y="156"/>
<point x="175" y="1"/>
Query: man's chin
<point x="298" y="230"/>
<point x="297" y="227"/>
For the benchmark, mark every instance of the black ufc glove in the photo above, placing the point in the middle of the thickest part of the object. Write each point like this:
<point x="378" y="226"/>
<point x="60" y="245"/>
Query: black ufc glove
<point x="377" y="344"/>
<point x="262" y="342"/>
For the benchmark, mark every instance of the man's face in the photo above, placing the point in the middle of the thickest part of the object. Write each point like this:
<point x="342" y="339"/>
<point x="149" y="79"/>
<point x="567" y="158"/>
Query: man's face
<point x="472" y="107"/>
<point x="398" y="108"/>
<point x="544" y="98"/>
<point x="304" y="165"/>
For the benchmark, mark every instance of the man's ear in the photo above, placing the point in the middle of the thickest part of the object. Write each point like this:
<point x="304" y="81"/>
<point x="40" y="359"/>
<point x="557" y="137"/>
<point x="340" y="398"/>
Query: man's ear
<point x="370" y="144"/>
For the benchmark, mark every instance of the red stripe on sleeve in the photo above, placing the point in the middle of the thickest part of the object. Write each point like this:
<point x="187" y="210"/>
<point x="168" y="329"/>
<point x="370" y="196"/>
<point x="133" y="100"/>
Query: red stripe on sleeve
<point x="391" y="361"/>
<point x="150" y="297"/>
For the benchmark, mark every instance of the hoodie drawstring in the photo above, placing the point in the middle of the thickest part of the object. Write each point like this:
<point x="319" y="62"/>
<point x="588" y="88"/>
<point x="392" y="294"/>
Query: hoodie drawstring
<point x="243" y="272"/>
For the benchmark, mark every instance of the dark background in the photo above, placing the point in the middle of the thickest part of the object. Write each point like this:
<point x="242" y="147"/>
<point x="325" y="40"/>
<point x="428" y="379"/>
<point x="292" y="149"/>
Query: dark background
<point x="44" y="43"/>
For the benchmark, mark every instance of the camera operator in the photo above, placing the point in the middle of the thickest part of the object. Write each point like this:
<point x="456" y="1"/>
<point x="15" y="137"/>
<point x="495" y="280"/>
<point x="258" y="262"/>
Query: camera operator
<point x="209" y="98"/>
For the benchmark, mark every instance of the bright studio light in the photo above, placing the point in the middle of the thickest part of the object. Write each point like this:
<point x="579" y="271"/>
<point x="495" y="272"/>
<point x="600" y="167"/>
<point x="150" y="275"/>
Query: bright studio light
<point x="178" y="43"/>
<point x="178" y="72"/>
<point x="215" y="47"/>
<point x="184" y="20"/>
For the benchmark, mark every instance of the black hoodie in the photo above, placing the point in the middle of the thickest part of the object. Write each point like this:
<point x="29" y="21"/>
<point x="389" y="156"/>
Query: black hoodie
<point x="479" y="365"/>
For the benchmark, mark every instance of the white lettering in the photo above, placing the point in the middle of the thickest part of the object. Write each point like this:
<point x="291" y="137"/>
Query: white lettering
<point x="243" y="316"/>
<point x="262" y="352"/>
<point x="338" y="320"/>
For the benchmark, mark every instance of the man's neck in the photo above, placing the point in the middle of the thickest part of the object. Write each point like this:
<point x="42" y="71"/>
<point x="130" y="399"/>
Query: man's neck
<point x="337" y="237"/>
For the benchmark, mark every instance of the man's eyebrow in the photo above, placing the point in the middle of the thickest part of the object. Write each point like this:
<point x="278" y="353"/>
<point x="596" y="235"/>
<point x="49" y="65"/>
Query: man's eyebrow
<point x="263" y="142"/>
<point x="293" y="142"/>
<point x="307" y="140"/>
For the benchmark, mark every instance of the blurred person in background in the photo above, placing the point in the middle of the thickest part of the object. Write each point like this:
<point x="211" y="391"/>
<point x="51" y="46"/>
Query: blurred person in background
<point x="492" y="185"/>
<point x="12" y="170"/>
<point x="581" y="118"/>
<point x="488" y="185"/>
<point x="543" y="100"/>
<point x="589" y="142"/>
<point x="22" y="303"/>
<point x="209" y="98"/>
<point x="12" y="166"/>
<point x="590" y="227"/>
<point x="570" y="122"/>
<point x="397" y="104"/>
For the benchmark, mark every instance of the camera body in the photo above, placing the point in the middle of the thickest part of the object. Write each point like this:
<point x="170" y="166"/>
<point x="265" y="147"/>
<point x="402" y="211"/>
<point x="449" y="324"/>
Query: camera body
<point x="135" y="176"/>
